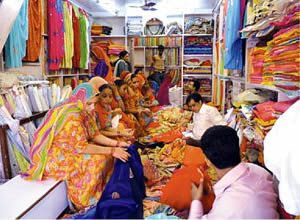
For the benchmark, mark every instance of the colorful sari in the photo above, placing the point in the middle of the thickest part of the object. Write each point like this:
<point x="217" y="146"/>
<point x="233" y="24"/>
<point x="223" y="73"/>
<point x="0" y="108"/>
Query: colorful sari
<point x="58" y="147"/>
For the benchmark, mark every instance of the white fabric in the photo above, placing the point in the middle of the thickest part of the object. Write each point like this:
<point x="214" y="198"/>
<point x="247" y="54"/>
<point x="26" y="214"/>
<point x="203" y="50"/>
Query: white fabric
<point x="207" y="117"/>
<point x="281" y="156"/>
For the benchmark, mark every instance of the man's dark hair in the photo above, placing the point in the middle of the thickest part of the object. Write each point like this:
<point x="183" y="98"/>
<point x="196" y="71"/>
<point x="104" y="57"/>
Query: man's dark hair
<point x="161" y="47"/>
<point x="194" y="96"/>
<point x="119" y="82"/>
<point x="196" y="85"/>
<point x="122" y="54"/>
<point x="220" y="144"/>
<point x="105" y="86"/>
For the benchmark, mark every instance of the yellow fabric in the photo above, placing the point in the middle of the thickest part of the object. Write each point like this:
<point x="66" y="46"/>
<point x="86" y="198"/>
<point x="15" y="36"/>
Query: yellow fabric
<point x="69" y="36"/>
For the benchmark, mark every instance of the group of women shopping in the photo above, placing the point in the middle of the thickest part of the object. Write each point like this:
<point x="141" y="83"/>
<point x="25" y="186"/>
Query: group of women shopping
<point x="78" y="141"/>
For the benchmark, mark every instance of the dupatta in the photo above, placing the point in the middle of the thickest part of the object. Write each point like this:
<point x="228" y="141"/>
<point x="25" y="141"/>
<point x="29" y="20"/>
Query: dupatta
<point x="52" y="125"/>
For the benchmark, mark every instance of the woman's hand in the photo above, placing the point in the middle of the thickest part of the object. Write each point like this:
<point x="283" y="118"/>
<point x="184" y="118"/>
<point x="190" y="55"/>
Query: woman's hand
<point x="122" y="144"/>
<point x="127" y="133"/>
<point x="117" y="111"/>
<point x="197" y="192"/>
<point x="120" y="153"/>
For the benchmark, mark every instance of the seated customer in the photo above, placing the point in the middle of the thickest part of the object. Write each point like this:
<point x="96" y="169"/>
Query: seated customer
<point x="105" y="114"/>
<point x="204" y="116"/>
<point x="68" y="146"/>
<point x="243" y="190"/>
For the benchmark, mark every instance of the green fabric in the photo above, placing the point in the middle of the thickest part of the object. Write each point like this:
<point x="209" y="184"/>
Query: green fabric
<point x="83" y="42"/>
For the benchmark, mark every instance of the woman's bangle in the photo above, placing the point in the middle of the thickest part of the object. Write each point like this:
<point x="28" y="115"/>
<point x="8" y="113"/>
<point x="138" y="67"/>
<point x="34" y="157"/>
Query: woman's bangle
<point x="117" y="145"/>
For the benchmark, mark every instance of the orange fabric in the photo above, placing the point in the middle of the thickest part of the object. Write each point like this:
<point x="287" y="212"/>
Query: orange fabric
<point x="103" y="116"/>
<point x="154" y="124"/>
<point x="34" y="41"/>
<point x="193" y="156"/>
<point x="101" y="55"/>
<point x="177" y="192"/>
<point x="168" y="137"/>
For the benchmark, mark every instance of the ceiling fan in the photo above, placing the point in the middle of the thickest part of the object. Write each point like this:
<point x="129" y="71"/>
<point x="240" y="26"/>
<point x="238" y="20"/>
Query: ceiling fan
<point x="148" y="6"/>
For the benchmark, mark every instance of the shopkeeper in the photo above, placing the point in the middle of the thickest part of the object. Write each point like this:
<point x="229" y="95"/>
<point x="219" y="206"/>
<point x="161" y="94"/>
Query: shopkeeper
<point x="158" y="65"/>
<point x="204" y="116"/>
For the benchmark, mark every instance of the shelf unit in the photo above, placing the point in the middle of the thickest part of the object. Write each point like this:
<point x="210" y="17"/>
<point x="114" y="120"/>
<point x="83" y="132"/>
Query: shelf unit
<point x="187" y="75"/>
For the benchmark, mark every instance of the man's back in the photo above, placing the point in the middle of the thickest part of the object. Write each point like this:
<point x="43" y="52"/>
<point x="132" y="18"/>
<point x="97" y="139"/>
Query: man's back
<point x="246" y="191"/>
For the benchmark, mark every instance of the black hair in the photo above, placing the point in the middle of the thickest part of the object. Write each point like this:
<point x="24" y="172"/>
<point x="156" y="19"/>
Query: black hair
<point x="105" y="86"/>
<point x="194" y="96"/>
<point x="123" y="53"/>
<point x="133" y="76"/>
<point x="196" y="85"/>
<point x="138" y="70"/>
<point x="220" y="144"/>
<point x="119" y="83"/>
<point x="161" y="47"/>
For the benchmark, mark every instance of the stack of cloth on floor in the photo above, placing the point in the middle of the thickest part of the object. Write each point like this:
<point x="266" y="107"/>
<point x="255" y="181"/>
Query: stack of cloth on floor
<point x="98" y="30"/>
<point x="198" y="26"/>
<point x="176" y="164"/>
<point x="198" y="45"/>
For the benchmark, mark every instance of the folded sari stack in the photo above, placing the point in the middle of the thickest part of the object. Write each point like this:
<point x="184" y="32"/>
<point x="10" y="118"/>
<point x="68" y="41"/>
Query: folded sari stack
<point x="198" y="45"/>
<point x="282" y="57"/>
<point x="98" y="29"/>
<point x="257" y="60"/>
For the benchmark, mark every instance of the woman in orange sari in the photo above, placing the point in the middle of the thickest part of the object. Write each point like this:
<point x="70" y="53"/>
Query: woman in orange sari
<point x="106" y="114"/>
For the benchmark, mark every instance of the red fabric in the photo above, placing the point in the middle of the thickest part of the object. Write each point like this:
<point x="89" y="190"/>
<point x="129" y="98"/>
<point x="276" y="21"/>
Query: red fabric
<point x="283" y="106"/>
<point x="163" y="92"/>
<point x="76" y="39"/>
<point x="177" y="192"/>
<point x="265" y="111"/>
<point x="56" y="50"/>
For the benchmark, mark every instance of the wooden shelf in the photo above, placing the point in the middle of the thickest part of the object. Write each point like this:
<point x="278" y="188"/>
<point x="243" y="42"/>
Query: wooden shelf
<point x="198" y="35"/>
<point x="197" y="75"/>
<point x="197" y="55"/>
<point x="155" y="47"/>
<point x="67" y="75"/>
<point x="259" y="86"/>
<point x="109" y="36"/>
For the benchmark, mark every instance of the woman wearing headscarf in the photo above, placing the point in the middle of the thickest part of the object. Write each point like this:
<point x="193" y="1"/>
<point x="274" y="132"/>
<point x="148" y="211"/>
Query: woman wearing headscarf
<point x="67" y="146"/>
<point x="122" y="64"/>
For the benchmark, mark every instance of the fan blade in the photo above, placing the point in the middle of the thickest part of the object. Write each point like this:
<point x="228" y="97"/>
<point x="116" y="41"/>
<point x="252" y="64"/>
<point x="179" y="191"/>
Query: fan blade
<point x="134" y="6"/>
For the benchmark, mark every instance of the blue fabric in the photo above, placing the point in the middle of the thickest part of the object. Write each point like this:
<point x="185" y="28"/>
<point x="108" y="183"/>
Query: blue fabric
<point x="15" y="46"/>
<point x="233" y="43"/>
<point x="131" y="189"/>
<point x="101" y="69"/>
<point x="129" y="186"/>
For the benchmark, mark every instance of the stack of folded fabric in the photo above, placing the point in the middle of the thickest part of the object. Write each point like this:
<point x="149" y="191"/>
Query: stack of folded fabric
<point x="282" y="57"/>
<point x="114" y="50"/>
<point x="98" y="29"/>
<point x="195" y="66"/>
<point x="197" y="45"/>
<point x="198" y="26"/>
<point x="257" y="59"/>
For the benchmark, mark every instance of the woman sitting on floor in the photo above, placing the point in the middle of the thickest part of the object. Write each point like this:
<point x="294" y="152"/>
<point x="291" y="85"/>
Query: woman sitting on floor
<point x="67" y="146"/>
<point x="106" y="114"/>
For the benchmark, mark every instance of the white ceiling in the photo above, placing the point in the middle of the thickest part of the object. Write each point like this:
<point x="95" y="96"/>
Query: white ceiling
<point x="121" y="5"/>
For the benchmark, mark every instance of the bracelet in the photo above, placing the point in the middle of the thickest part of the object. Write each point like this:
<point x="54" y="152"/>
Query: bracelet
<point x="117" y="145"/>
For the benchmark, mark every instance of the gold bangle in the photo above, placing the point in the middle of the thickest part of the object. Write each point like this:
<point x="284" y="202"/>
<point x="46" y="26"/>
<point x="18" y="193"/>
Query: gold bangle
<point x="112" y="151"/>
<point x="117" y="145"/>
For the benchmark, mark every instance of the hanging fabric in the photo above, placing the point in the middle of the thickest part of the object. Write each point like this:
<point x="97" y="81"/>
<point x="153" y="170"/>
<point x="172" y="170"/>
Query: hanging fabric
<point x="34" y="41"/>
<point x="84" y="44"/>
<point x="76" y="36"/>
<point x="55" y="34"/>
<point x="15" y="47"/>
<point x="233" y="43"/>
<point x="69" y="36"/>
